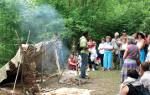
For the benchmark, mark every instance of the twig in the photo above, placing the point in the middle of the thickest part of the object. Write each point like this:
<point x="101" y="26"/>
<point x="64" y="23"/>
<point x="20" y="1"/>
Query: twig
<point x="16" y="79"/>
<point x="18" y="37"/>
<point x="28" y="37"/>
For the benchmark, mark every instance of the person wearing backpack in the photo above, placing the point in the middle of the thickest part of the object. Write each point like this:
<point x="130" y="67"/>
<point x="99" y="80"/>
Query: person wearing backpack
<point x="132" y="85"/>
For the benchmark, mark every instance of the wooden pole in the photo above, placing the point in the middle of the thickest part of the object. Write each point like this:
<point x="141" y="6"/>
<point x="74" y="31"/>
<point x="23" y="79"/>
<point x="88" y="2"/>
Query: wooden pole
<point x="57" y="61"/>
<point x="28" y="37"/>
<point x="16" y="79"/>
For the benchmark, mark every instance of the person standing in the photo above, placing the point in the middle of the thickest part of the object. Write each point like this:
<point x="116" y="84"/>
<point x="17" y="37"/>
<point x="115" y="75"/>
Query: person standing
<point x="141" y="45"/>
<point x="84" y="54"/>
<point x="101" y="51"/>
<point x="108" y="47"/>
<point x="91" y="44"/>
<point x="148" y="50"/>
<point x="131" y="55"/>
<point x="116" y="44"/>
<point x="122" y="49"/>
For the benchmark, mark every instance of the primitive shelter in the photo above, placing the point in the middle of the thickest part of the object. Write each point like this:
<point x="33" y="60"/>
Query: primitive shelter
<point x="41" y="57"/>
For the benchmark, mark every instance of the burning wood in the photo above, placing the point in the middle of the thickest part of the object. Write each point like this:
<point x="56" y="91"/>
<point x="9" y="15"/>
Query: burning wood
<point x="72" y="78"/>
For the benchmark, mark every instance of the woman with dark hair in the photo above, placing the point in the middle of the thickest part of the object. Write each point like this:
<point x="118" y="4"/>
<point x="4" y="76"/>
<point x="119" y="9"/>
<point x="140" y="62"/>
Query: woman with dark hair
<point x="131" y="86"/>
<point x="141" y="45"/>
<point x="131" y="55"/>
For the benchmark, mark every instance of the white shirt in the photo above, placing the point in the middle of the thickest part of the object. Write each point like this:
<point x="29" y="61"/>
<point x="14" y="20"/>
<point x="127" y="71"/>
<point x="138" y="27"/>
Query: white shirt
<point x="148" y="55"/>
<point x="149" y="48"/>
<point x="108" y="45"/>
<point x="100" y="48"/>
<point x="123" y="46"/>
<point x="145" y="80"/>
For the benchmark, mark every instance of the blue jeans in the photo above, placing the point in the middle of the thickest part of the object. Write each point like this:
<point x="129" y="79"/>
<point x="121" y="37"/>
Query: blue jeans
<point x="84" y="64"/>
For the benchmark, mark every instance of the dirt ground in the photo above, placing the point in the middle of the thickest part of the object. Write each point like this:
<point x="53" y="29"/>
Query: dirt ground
<point x="103" y="83"/>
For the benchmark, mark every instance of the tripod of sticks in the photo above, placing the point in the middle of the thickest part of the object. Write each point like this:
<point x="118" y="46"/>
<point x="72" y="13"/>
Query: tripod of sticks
<point x="22" y="58"/>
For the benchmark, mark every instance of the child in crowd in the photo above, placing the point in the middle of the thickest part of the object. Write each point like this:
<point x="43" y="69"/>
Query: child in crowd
<point x="108" y="54"/>
<point x="72" y="62"/>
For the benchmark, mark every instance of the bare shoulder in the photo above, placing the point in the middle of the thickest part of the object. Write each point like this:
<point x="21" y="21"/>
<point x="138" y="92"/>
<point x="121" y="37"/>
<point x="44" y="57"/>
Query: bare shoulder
<point x="124" y="90"/>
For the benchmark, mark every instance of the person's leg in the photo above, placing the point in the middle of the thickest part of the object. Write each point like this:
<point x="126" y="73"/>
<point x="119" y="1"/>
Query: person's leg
<point x="101" y="57"/>
<point x="114" y="60"/>
<point x="105" y="59"/>
<point x="94" y="66"/>
<point x="109" y="60"/>
<point x="84" y="65"/>
<point x="118" y="61"/>
<point x="89" y="61"/>
<point x="121" y="58"/>
<point x="83" y="71"/>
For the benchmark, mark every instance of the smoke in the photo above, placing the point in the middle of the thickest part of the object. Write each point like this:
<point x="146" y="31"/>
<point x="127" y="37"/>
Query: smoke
<point x="42" y="20"/>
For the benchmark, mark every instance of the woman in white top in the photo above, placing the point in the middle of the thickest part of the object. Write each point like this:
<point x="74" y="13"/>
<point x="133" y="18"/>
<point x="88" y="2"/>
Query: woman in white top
<point x="108" y="47"/>
<point x="148" y="54"/>
<point x="101" y="50"/>
<point x="91" y="44"/>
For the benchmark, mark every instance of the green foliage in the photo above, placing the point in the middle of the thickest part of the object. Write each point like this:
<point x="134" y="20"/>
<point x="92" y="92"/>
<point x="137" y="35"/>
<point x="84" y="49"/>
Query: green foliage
<point x="102" y="17"/>
<point x="8" y="26"/>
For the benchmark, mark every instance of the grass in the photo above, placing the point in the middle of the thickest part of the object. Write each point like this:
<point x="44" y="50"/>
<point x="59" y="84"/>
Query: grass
<point x="104" y="83"/>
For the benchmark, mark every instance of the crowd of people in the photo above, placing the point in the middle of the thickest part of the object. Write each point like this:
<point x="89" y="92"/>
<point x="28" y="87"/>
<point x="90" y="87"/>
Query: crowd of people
<point x="130" y="53"/>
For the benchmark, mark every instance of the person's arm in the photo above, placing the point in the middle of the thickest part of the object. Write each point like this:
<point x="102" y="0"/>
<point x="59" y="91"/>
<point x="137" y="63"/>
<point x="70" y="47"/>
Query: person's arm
<point x="109" y="47"/>
<point x="100" y="47"/>
<point x="124" y="90"/>
<point x="142" y="44"/>
<point x="125" y="53"/>
<point x="70" y="62"/>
